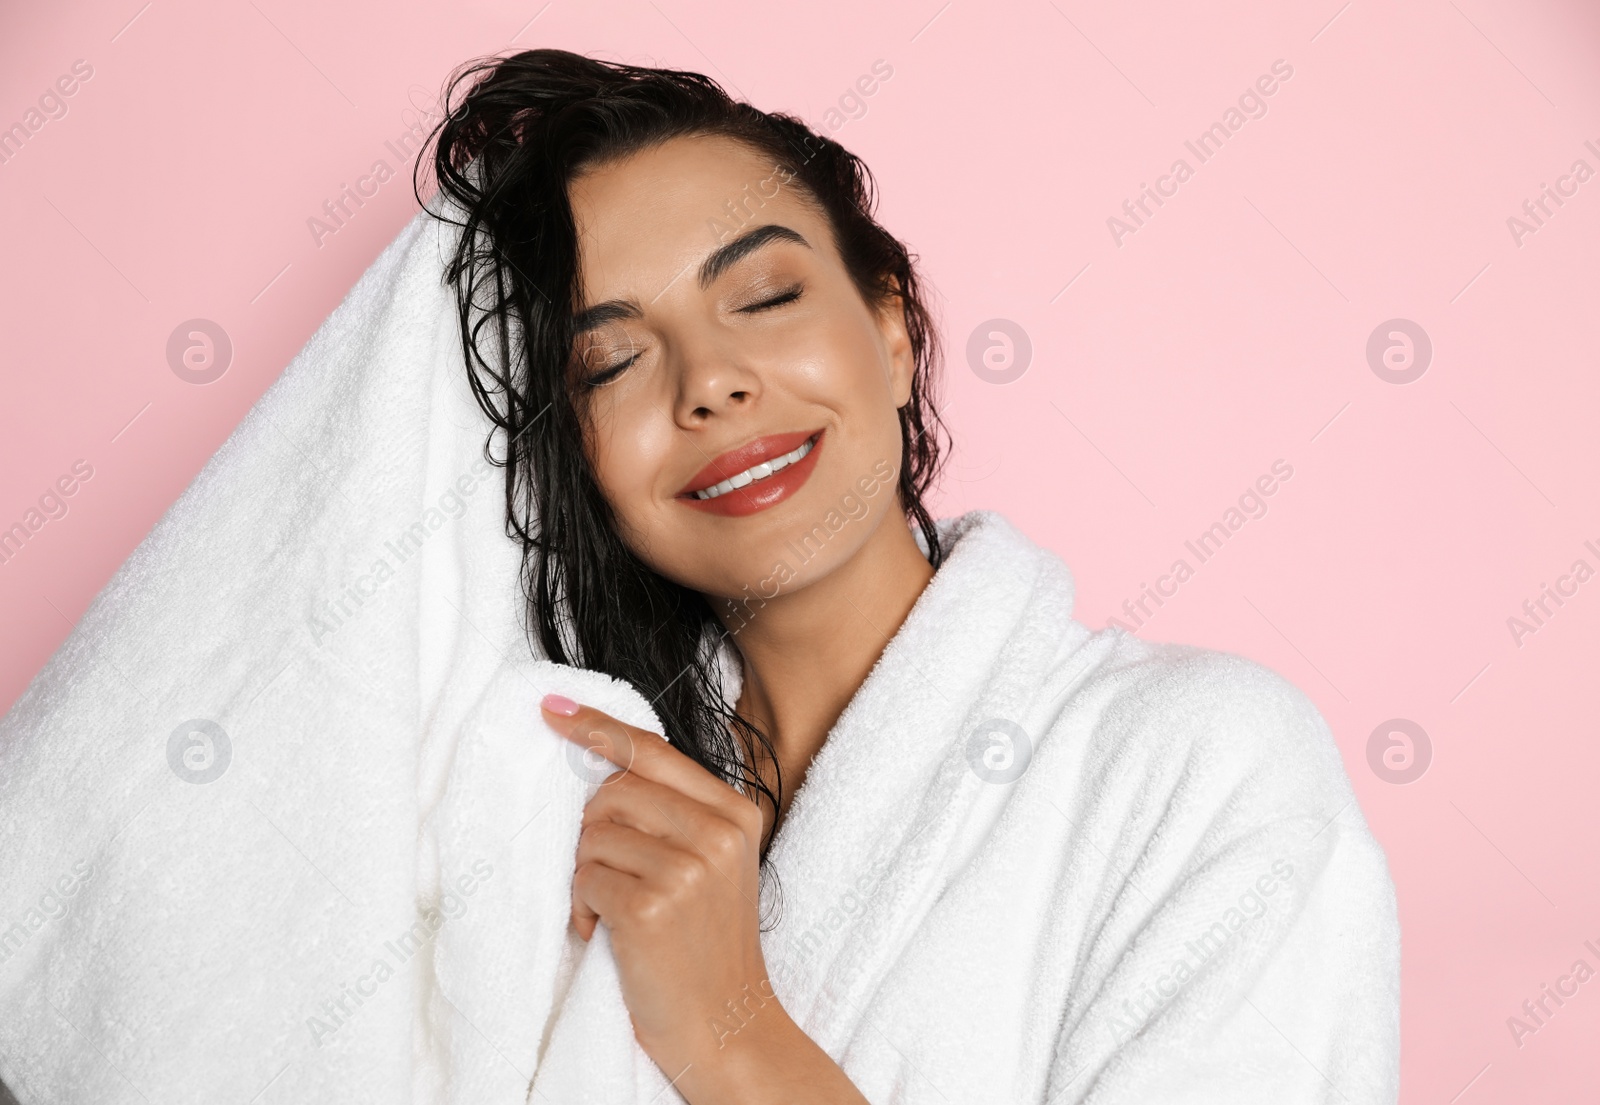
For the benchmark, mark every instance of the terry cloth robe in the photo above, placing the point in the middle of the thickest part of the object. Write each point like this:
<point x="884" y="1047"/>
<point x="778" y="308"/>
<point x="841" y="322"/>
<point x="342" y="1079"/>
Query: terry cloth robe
<point x="1037" y="863"/>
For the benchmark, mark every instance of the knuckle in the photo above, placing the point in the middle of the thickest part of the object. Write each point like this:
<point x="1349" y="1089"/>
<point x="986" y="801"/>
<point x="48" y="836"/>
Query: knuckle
<point x="583" y="876"/>
<point x="685" y="872"/>
<point x="750" y="818"/>
<point x="647" y="909"/>
<point x="593" y="833"/>
<point x="723" y="840"/>
<point x="737" y="807"/>
<point x="600" y="806"/>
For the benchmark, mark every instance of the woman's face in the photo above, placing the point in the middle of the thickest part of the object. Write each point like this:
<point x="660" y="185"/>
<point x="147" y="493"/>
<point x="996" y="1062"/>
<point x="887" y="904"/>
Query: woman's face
<point x="701" y="364"/>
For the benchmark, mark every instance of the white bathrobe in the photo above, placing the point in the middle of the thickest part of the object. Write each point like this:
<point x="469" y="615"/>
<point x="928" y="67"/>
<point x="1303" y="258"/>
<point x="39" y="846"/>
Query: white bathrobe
<point x="1038" y="863"/>
<point x="279" y="821"/>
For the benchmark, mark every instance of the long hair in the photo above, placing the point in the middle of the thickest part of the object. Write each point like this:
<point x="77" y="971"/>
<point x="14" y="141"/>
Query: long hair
<point x="506" y="151"/>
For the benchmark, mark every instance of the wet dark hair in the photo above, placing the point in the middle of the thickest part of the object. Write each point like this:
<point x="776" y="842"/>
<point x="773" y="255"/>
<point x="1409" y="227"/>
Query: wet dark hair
<point x="505" y="154"/>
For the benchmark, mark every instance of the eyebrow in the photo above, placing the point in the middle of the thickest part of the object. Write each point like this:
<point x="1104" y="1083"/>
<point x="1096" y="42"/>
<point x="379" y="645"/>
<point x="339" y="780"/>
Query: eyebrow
<point x="716" y="263"/>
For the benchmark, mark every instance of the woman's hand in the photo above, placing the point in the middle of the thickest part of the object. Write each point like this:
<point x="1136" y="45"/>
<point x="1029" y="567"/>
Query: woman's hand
<point x="667" y="861"/>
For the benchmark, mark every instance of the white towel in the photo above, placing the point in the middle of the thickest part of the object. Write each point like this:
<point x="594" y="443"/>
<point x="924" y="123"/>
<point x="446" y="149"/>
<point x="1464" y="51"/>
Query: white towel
<point x="1175" y="899"/>
<point x="227" y="798"/>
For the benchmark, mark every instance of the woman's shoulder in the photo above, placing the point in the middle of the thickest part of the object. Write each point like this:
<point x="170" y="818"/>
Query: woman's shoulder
<point x="1202" y="712"/>
<point x="1207" y="687"/>
<point x="1150" y="706"/>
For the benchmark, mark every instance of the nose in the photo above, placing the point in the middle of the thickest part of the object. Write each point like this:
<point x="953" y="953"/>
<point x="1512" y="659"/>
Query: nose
<point x="713" y="380"/>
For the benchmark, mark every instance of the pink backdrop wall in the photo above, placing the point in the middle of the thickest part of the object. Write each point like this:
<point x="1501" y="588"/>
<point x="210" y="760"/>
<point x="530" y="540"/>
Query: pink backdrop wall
<point x="1171" y="362"/>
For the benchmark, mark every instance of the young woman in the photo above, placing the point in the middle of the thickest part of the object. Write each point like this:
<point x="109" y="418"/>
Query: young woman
<point x="715" y="369"/>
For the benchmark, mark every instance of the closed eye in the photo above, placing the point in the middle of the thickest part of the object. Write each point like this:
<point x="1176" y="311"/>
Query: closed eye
<point x="777" y="301"/>
<point x="605" y="376"/>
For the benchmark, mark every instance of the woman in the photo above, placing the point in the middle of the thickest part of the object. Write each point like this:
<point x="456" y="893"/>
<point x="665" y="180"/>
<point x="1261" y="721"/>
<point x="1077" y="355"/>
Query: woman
<point x="719" y="399"/>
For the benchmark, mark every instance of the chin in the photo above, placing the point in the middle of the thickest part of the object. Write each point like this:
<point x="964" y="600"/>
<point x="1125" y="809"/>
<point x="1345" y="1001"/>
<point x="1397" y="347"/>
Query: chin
<point x="784" y="565"/>
<point x="740" y="562"/>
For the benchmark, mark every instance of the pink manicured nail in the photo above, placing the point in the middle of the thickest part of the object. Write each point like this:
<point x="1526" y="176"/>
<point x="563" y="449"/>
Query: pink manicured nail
<point x="560" y="704"/>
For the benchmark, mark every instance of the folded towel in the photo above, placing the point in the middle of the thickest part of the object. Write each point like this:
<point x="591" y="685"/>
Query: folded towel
<point x="282" y="824"/>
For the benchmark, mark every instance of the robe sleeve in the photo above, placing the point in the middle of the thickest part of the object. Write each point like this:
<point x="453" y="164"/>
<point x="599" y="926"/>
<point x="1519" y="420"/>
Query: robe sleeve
<point x="1249" y="945"/>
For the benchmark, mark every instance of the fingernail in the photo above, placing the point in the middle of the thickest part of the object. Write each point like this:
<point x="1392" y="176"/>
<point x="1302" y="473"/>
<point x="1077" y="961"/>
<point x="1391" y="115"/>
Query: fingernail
<point x="559" y="704"/>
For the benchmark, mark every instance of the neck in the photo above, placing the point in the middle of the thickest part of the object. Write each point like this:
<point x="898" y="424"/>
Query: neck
<point x="807" y="652"/>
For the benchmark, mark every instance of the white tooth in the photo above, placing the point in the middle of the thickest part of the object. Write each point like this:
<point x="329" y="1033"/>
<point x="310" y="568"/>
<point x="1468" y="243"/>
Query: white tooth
<point x="755" y="472"/>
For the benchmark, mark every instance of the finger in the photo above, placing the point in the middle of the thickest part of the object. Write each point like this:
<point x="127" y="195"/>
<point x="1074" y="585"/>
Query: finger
<point x="633" y="749"/>
<point x="600" y="893"/>
<point x="626" y="849"/>
<point x="651" y="807"/>
<point x="583" y="919"/>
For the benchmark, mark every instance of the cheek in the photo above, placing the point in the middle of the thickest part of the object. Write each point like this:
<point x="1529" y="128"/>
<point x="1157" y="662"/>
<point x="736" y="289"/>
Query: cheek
<point x="839" y="363"/>
<point x="630" y="452"/>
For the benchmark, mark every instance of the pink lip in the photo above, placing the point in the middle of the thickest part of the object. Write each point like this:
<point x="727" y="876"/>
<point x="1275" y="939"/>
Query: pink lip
<point x="760" y="494"/>
<point x="737" y="460"/>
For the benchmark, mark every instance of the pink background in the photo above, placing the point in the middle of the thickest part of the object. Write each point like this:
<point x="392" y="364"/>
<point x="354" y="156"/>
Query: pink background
<point x="1227" y="332"/>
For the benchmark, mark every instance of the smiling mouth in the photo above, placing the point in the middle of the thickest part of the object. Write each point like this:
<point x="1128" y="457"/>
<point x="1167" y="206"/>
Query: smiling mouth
<point x="757" y="472"/>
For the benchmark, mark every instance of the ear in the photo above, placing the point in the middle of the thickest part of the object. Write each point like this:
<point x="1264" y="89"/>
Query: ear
<point x="897" y="340"/>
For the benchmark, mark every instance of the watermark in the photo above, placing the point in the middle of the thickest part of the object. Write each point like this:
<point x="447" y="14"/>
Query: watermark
<point x="999" y="751"/>
<point x="426" y="110"/>
<point x="742" y="1013"/>
<point x="999" y="351"/>
<point x="590" y="765"/>
<point x="1537" y="611"/>
<point x="1252" y="104"/>
<point x="51" y="105"/>
<point x="739" y="210"/>
<point x="1252" y="503"/>
<point x="1399" y="751"/>
<point x="338" y="212"/>
<point x="806" y="546"/>
<point x="1538" y="211"/>
<point x="822" y="932"/>
<point x="1154" y="994"/>
<point x="1536" y="1012"/>
<point x="52" y="506"/>
<point x="52" y="905"/>
<point x="852" y="102"/>
<point x="336" y="1012"/>
<point x="851" y="105"/>
<point x="1399" y="351"/>
<point x="199" y="351"/>
<point x="199" y="751"/>
<point x="335" y="613"/>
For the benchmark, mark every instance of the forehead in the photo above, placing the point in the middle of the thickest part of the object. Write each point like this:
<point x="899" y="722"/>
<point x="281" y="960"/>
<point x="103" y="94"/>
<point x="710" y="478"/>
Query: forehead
<point x="648" y="216"/>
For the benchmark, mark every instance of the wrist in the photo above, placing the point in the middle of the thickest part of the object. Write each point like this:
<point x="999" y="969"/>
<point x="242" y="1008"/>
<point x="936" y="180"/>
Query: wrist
<point x="751" y="1054"/>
